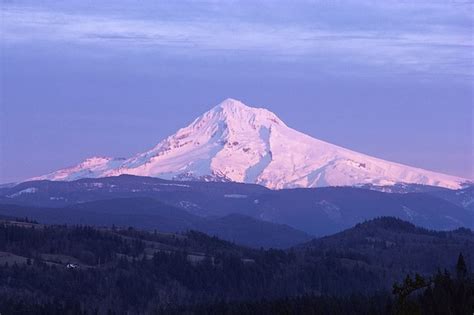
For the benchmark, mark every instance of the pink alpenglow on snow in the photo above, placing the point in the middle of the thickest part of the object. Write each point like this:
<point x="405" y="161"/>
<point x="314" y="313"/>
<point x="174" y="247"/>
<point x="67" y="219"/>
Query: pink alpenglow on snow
<point x="235" y="142"/>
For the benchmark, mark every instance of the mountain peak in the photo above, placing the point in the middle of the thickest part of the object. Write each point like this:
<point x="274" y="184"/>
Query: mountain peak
<point x="240" y="116"/>
<point x="231" y="103"/>
<point x="235" y="142"/>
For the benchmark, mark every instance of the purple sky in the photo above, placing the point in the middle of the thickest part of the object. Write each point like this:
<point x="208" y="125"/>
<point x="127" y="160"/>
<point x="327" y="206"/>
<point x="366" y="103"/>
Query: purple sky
<point x="386" y="78"/>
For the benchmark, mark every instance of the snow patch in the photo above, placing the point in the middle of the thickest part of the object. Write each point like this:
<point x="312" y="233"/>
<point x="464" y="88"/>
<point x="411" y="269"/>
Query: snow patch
<point x="411" y="214"/>
<point x="467" y="203"/>
<point x="188" y="205"/>
<point x="176" y="185"/>
<point x="456" y="221"/>
<point x="332" y="211"/>
<point x="30" y="190"/>
<point x="237" y="196"/>
<point x="57" y="198"/>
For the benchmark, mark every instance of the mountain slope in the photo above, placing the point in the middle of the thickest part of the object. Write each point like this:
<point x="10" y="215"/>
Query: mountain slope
<point x="234" y="142"/>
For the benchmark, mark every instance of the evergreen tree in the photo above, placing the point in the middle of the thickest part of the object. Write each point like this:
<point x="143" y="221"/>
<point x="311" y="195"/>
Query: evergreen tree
<point x="461" y="269"/>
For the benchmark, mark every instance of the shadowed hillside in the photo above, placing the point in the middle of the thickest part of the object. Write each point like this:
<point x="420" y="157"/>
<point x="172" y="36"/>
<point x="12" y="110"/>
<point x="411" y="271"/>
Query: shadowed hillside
<point x="111" y="269"/>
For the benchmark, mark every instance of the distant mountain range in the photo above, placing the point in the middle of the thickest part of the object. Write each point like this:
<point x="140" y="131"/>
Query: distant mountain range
<point x="234" y="142"/>
<point x="245" y="213"/>
<point x="152" y="215"/>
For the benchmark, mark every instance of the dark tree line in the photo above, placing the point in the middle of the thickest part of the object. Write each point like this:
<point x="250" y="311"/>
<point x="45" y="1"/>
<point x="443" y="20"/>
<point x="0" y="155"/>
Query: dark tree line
<point x="131" y="271"/>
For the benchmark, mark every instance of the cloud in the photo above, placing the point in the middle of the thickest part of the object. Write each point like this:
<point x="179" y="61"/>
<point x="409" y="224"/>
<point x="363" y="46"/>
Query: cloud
<point x="415" y="36"/>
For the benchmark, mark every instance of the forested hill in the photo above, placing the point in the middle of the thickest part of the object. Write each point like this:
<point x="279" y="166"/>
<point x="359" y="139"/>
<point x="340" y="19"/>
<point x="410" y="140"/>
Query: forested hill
<point x="80" y="268"/>
<point x="396" y="246"/>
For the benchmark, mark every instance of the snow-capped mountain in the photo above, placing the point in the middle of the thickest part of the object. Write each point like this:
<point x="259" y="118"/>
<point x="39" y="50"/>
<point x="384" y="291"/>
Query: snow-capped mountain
<point x="234" y="142"/>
